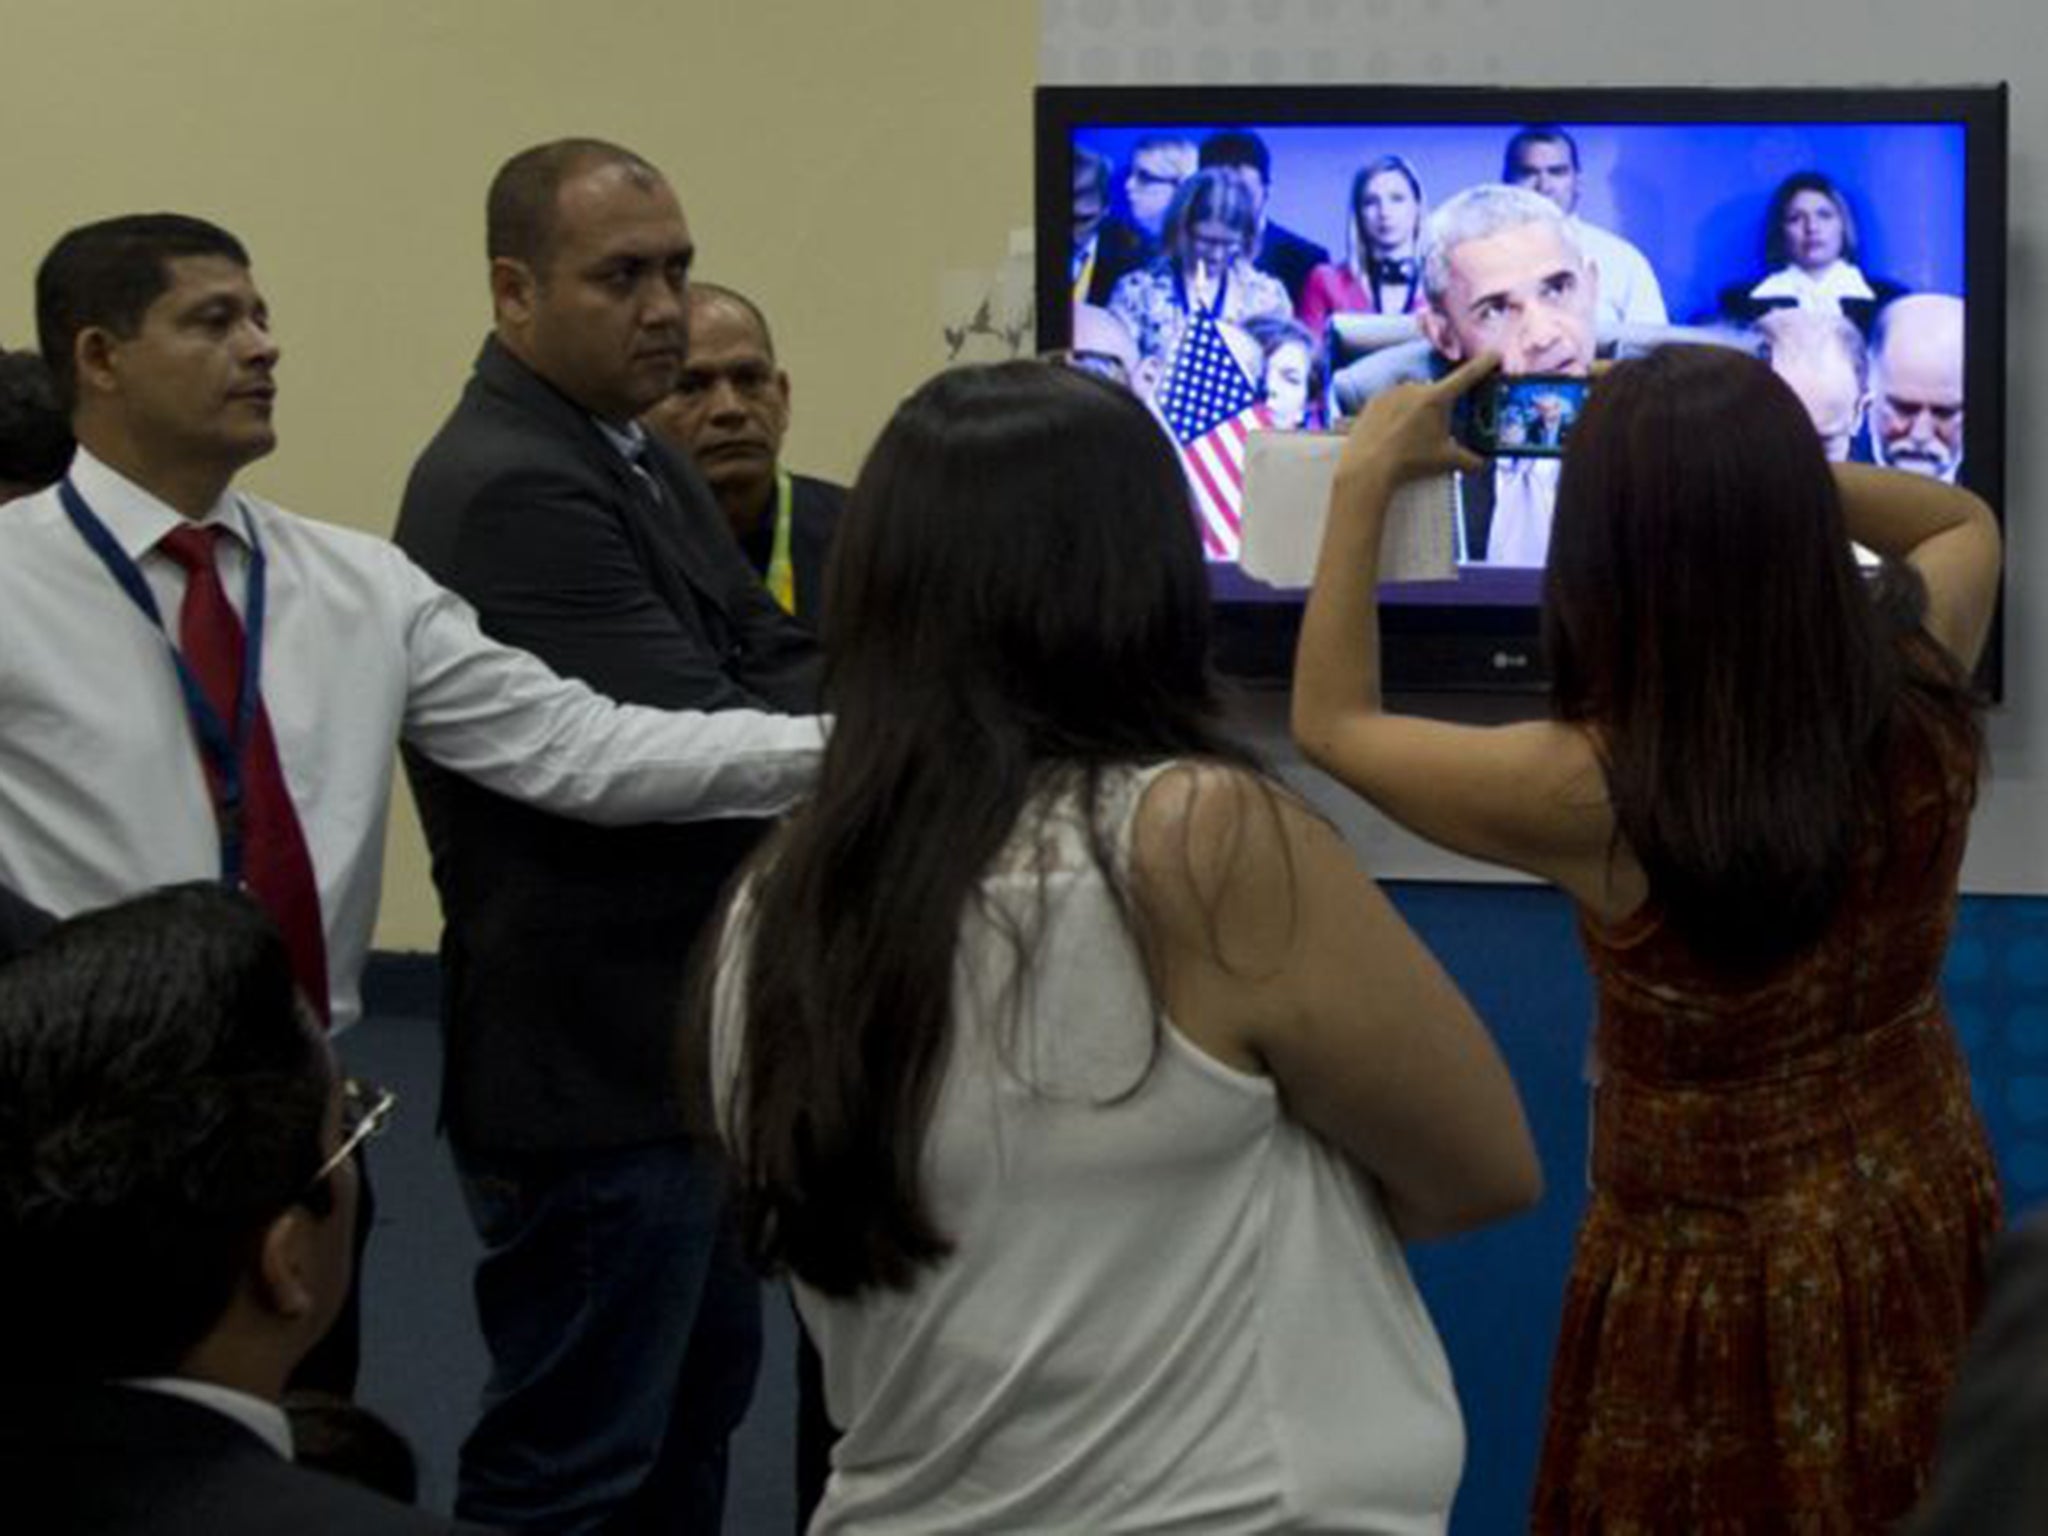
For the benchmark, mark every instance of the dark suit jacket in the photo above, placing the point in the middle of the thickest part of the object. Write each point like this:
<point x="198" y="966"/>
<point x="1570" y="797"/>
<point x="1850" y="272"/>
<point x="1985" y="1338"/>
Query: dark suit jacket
<point x="815" y="507"/>
<point x="22" y="922"/>
<point x="1119" y="248"/>
<point x="564" y="944"/>
<point x="93" y="1460"/>
<point x="1289" y="257"/>
<point x="1991" y="1478"/>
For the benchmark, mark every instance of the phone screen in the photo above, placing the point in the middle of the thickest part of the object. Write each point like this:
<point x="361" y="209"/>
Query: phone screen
<point x="1528" y="416"/>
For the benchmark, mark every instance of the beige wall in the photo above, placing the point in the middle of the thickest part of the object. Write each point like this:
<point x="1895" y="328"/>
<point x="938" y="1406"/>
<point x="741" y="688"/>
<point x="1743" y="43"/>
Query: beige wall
<point x="832" y="159"/>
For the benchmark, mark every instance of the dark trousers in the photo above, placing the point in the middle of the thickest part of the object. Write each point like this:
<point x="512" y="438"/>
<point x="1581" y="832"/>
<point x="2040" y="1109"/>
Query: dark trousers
<point x="624" y="1331"/>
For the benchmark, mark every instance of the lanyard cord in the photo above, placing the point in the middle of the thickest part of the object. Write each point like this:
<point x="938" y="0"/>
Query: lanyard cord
<point x="222" y="745"/>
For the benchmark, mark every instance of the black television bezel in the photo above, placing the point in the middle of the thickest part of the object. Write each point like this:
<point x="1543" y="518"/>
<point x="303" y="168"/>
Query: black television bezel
<point x="1484" y="648"/>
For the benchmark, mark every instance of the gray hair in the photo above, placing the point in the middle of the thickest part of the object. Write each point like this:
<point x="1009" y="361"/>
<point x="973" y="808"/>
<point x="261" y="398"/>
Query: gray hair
<point x="1804" y="335"/>
<point x="1476" y="213"/>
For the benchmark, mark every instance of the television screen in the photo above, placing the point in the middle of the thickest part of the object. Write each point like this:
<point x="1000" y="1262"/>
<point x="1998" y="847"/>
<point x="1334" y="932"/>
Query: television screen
<point x="1266" y="258"/>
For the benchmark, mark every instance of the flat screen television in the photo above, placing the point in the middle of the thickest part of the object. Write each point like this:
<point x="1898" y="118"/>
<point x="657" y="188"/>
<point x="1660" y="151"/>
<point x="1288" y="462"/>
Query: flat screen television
<point x="1789" y="222"/>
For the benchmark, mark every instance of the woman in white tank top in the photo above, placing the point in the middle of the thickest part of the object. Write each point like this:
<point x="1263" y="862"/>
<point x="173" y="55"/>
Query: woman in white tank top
<point x="1074" y="1072"/>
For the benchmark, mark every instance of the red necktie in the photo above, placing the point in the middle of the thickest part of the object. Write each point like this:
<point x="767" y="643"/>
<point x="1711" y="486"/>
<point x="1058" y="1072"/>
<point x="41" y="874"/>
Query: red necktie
<point x="275" y="865"/>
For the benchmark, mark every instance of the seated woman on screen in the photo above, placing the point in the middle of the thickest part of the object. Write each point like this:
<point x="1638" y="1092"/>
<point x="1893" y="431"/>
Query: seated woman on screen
<point x="1756" y="784"/>
<point x="1204" y="268"/>
<point x="1810" y="251"/>
<point x="1378" y="275"/>
<point x="1078" y="1077"/>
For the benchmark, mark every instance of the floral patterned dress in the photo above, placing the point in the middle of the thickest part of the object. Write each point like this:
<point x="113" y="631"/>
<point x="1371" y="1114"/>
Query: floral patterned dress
<point x="1792" y="1207"/>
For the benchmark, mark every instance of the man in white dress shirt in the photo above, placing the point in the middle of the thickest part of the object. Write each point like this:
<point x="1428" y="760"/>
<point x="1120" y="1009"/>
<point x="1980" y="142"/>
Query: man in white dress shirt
<point x="112" y="781"/>
<point x="1544" y="158"/>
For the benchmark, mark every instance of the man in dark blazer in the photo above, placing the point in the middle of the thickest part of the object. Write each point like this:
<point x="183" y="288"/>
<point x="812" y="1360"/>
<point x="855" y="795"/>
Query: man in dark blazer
<point x="615" y="1382"/>
<point x="728" y="416"/>
<point x="177" y="1194"/>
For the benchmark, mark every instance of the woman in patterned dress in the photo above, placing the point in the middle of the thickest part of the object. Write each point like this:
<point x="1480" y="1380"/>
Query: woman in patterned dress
<point x="1755" y="781"/>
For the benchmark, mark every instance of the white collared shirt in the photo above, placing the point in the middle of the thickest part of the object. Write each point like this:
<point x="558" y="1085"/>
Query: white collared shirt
<point x="1823" y="294"/>
<point x="102" y="792"/>
<point x="1524" y="500"/>
<point x="266" y="1421"/>
<point x="1629" y="291"/>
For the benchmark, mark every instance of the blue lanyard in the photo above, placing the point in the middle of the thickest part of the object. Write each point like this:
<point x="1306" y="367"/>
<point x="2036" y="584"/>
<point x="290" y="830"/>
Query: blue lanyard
<point x="222" y="746"/>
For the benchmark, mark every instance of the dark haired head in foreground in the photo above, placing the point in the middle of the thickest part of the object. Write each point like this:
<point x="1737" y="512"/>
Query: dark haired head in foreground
<point x="1017" y="584"/>
<point x="175" y="1218"/>
<point x="35" y="433"/>
<point x="168" y="1103"/>
<point x="1700" y="575"/>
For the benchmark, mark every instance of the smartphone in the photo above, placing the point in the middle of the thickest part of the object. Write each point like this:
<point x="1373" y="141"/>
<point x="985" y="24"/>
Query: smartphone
<point x="1528" y="416"/>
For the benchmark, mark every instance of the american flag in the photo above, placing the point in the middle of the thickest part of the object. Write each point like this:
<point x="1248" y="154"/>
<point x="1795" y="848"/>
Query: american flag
<point x="1211" y="408"/>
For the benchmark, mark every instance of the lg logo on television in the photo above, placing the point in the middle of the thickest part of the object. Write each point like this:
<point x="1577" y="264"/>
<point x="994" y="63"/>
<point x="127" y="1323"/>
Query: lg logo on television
<point x="1510" y="661"/>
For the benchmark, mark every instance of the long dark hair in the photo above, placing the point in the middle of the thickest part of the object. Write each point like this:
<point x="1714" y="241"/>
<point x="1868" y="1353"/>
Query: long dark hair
<point x="1016" y="591"/>
<point x="1705" y="616"/>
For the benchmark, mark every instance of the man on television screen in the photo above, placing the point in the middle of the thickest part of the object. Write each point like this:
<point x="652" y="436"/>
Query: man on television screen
<point x="1503" y="273"/>
<point x="1545" y="159"/>
<point x="1105" y="247"/>
<point x="1823" y="359"/>
<point x="1916" y="377"/>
